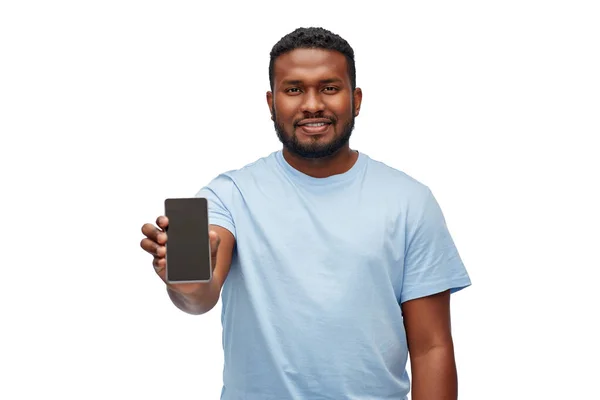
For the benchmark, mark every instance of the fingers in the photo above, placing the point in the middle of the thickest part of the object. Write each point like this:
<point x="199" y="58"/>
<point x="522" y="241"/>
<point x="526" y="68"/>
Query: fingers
<point x="150" y="246"/>
<point x="154" y="244"/>
<point x="153" y="248"/>
<point x="155" y="240"/>
<point x="159" y="263"/>
<point x="155" y="234"/>
<point x="150" y="231"/>
<point x="162" y="222"/>
<point x="161" y="238"/>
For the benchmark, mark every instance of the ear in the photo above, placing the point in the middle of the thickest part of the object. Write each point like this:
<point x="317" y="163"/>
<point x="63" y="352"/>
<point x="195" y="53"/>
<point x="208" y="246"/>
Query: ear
<point x="270" y="103"/>
<point x="357" y="101"/>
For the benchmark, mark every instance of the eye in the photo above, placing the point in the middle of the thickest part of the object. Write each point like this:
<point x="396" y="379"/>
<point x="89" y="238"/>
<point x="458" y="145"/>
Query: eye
<point x="330" y="89"/>
<point x="293" y="90"/>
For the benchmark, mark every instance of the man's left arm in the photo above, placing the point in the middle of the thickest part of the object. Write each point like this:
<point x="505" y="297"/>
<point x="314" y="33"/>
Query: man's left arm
<point x="431" y="349"/>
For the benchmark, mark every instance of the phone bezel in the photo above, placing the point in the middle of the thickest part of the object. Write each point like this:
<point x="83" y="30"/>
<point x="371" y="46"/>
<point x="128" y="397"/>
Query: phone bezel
<point x="205" y="212"/>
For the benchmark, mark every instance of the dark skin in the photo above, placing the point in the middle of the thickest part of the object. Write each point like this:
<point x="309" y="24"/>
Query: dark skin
<point x="431" y="349"/>
<point x="310" y="84"/>
<point x="192" y="298"/>
<point x="316" y="81"/>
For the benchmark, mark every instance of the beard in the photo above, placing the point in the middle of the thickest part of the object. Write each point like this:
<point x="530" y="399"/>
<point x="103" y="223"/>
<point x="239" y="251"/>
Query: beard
<point x="315" y="149"/>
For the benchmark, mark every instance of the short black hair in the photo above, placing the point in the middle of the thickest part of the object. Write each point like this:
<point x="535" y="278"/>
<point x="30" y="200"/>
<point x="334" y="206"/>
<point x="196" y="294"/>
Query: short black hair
<point x="313" y="38"/>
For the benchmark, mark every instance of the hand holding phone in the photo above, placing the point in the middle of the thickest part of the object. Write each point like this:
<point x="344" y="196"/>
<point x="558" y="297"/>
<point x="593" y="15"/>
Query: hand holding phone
<point x="184" y="249"/>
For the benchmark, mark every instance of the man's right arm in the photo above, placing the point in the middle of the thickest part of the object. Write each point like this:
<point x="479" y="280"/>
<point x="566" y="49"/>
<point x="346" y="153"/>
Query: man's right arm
<point x="206" y="298"/>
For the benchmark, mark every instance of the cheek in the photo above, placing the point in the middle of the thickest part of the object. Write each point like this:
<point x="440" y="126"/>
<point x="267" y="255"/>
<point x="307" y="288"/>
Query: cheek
<point x="287" y="109"/>
<point x="341" y="106"/>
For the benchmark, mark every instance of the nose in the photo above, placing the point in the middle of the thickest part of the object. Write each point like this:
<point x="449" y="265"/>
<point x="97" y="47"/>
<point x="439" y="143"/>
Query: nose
<point x="313" y="103"/>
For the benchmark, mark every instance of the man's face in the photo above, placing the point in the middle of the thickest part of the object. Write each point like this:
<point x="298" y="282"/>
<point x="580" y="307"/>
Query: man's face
<point x="312" y="104"/>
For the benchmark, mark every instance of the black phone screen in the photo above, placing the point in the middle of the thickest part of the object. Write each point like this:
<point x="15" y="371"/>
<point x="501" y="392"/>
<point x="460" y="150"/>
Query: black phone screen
<point x="188" y="246"/>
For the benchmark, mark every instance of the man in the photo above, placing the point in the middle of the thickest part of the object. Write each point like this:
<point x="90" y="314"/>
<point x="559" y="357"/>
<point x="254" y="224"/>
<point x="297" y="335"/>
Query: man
<point x="333" y="267"/>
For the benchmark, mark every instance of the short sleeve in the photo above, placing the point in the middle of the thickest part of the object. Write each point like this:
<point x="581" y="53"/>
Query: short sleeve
<point x="432" y="262"/>
<point x="219" y="194"/>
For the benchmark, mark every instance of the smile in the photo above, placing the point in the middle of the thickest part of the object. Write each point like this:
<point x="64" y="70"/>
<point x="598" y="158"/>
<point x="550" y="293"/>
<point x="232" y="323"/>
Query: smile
<point x="314" y="128"/>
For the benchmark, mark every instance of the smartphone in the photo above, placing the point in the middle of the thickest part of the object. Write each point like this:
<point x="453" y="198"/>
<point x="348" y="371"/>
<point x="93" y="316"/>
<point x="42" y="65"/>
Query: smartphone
<point x="188" y="244"/>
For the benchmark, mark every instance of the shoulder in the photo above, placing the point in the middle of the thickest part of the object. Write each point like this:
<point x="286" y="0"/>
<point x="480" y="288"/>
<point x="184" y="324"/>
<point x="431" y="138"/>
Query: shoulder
<point x="397" y="183"/>
<point x="231" y="179"/>
<point x="260" y="166"/>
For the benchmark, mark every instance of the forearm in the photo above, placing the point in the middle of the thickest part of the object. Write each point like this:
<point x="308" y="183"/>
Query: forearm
<point x="197" y="303"/>
<point x="434" y="374"/>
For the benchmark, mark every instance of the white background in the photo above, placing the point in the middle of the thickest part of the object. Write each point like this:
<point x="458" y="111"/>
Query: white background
<point x="107" y="108"/>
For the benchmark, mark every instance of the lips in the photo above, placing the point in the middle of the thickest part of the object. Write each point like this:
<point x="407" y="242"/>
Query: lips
<point x="314" y="126"/>
<point x="314" y="122"/>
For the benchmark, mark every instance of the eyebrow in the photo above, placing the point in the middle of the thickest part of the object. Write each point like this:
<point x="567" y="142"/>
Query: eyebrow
<point x="322" y="81"/>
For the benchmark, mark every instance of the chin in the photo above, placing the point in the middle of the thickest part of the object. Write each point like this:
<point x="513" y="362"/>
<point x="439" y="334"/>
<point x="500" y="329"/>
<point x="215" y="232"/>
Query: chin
<point x="314" y="147"/>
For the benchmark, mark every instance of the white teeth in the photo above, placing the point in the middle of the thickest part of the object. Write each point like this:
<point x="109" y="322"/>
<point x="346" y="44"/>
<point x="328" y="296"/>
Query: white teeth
<point x="317" y="124"/>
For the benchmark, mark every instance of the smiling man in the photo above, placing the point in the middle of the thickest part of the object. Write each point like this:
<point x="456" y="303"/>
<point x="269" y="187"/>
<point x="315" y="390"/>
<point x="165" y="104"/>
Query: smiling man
<point x="333" y="268"/>
<point x="313" y="102"/>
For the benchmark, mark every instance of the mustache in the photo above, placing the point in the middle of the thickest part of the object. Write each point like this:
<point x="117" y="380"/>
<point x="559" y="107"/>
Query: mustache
<point x="314" y="116"/>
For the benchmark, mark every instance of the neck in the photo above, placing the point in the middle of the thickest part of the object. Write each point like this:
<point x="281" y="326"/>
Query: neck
<point x="336" y="164"/>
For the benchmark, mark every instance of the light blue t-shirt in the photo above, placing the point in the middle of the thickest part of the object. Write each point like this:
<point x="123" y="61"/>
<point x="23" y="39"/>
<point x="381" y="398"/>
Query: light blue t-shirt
<point x="311" y="305"/>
